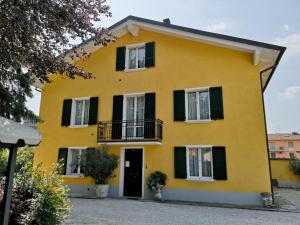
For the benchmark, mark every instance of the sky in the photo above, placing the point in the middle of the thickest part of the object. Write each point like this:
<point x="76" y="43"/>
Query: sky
<point x="271" y="21"/>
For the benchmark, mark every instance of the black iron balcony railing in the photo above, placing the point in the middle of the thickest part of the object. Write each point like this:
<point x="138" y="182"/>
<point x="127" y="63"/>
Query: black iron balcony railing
<point x="148" y="130"/>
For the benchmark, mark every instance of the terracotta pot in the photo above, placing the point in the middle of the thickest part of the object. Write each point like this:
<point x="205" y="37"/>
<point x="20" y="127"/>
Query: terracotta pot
<point x="102" y="190"/>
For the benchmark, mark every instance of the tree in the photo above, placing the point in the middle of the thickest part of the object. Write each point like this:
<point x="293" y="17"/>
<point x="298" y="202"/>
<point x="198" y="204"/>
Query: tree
<point x="34" y="37"/>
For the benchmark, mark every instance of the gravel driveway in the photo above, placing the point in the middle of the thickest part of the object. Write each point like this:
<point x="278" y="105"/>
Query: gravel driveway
<point x="134" y="212"/>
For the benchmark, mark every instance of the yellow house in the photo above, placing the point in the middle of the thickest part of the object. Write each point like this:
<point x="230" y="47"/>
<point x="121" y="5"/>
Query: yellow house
<point x="166" y="98"/>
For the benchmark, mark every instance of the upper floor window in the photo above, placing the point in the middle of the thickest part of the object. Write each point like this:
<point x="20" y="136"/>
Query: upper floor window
<point x="199" y="163"/>
<point x="198" y="107"/>
<point x="80" y="111"/>
<point x="135" y="57"/>
<point x="291" y="144"/>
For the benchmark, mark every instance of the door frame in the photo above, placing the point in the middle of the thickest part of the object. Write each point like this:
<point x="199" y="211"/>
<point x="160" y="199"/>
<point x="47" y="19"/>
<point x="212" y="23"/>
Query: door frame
<point x="122" y="168"/>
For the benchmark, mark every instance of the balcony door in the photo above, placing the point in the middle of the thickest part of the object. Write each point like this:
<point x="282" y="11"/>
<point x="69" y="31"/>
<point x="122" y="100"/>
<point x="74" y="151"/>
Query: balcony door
<point x="134" y="113"/>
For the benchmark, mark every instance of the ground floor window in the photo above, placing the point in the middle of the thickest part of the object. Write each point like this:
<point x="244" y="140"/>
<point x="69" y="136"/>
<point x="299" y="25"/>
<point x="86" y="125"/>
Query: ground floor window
<point x="75" y="162"/>
<point x="199" y="163"/>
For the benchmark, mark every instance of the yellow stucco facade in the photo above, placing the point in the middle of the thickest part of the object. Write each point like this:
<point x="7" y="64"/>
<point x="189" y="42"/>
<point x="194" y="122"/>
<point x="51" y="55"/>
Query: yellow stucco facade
<point x="179" y="64"/>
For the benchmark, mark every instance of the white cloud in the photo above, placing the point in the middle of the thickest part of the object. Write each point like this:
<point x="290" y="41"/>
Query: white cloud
<point x="290" y="92"/>
<point x="292" y="42"/>
<point x="218" y="27"/>
<point x="287" y="27"/>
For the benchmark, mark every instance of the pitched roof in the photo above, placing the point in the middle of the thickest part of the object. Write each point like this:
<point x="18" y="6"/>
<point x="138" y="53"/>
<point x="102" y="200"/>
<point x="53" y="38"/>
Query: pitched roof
<point x="283" y="137"/>
<point x="266" y="56"/>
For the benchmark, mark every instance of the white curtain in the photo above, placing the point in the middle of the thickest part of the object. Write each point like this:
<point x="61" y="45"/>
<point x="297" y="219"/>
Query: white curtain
<point x="132" y="58"/>
<point x="206" y="162"/>
<point x="86" y="111"/>
<point x="194" y="162"/>
<point x="140" y="112"/>
<point x="203" y="104"/>
<point x="78" y="112"/>
<point x="192" y="106"/>
<point x="130" y="116"/>
<point x="141" y="59"/>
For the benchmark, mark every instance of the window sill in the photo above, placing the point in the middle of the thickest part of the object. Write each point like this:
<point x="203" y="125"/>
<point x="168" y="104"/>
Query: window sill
<point x="198" y="121"/>
<point x="200" y="179"/>
<point x="78" y="126"/>
<point x="134" y="70"/>
<point x="74" y="176"/>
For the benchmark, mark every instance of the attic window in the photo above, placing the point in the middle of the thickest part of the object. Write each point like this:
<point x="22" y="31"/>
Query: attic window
<point x="135" y="57"/>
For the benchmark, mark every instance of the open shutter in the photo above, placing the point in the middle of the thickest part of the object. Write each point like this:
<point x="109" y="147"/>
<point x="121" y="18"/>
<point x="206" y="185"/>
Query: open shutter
<point x="117" y="117"/>
<point x="216" y="103"/>
<point x="219" y="163"/>
<point x="149" y="125"/>
<point x="120" y="60"/>
<point x="150" y="54"/>
<point x="179" y="105"/>
<point x="66" y="113"/>
<point x="180" y="162"/>
<point x="93" y="113"/>
<point x="63" y="156"/>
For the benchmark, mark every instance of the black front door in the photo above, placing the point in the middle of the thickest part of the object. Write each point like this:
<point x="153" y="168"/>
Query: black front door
<point x="133" y="169"/>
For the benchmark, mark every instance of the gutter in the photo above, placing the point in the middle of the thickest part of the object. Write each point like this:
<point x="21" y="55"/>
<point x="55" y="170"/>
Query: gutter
<point x="273" y="68"/>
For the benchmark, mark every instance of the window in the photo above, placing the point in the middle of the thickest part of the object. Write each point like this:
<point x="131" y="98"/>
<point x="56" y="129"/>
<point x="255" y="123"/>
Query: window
<point x="134" y="115"/>
<point x="199" y="163"/>
<point x="272" y="146"/>
<point x="291" y="144"/>
<point x="135" y="57"/>
<point x="272" y="155"/>
<point x="198" y="107"/>
<point x="80" y="112"/>
<point x="75" y="161"/>
<point x="281" y="148"/>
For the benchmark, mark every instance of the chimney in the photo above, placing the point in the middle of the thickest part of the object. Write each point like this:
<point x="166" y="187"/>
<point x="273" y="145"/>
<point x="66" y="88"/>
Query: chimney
<point x="167" y="21"/>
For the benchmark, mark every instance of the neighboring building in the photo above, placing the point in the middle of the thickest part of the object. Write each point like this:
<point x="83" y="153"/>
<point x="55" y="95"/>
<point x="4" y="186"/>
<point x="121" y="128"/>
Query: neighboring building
<point x="284" y="145"/>
<point x="166" y="98"/>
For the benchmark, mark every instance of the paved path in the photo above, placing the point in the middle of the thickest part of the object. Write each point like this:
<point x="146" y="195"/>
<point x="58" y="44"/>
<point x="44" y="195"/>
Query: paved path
<point x="133" y="212"/>
<point x="287" y="199"/>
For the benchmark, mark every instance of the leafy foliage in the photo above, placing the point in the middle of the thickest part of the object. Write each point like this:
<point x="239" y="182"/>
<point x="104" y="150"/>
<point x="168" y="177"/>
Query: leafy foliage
<point x="38" y="198"/>
<point x="156" y="180"/>
<point x="34" y="38"/>
<point x="294" y="165"/>
<point x="24" y="157"/>
<point x="99" y="164"/>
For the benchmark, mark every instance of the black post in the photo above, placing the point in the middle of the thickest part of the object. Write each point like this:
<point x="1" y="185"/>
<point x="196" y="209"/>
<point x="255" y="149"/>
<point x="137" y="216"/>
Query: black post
<point x="9" y="182"/>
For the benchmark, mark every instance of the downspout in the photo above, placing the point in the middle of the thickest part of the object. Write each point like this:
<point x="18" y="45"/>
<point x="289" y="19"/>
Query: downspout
<point x="265" y="124"/>
<point x="263" y="101"/>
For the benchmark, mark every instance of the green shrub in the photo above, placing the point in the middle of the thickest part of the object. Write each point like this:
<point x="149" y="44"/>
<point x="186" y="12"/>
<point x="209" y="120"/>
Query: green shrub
<point x="38" y="198"/>
<point x="99" y="164"/>
<point x="24" y="157"/>
<point x="156" y="180"/>
<point x="294" y="165"/>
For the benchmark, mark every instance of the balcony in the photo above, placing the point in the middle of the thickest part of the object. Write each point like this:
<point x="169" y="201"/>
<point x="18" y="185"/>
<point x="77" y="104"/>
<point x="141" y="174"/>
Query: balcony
<point x="148" y="131"/>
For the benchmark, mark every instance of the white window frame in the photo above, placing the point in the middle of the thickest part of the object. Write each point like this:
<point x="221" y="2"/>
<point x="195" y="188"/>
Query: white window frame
<point x="136" y="46"/>
<point x="292" y="144"/>
<point x="69" y="162"/>
<point x="197" y="90"/>
<point x="73" y="112"/>
<point x="135" y="95"/>
<point x="270" y="146"/>
<point x="198" y="178"/>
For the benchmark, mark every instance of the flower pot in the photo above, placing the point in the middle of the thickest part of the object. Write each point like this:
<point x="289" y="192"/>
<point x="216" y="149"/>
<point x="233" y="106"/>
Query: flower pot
<point x="158" y="195"/>
<point x="102" y="190"/>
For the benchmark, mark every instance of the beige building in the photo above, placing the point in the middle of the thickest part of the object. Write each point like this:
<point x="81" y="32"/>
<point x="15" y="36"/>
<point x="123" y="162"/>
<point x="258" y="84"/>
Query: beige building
<point x="284" y="145"/>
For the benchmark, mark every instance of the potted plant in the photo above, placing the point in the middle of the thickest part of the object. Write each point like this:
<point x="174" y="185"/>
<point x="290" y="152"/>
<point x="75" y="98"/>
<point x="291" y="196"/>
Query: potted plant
<point x="99" y="164"/>
<point x="156" y="181"/>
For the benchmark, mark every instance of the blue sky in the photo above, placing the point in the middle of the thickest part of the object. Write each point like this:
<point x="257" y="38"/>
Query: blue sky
<point x="272" y="21"/>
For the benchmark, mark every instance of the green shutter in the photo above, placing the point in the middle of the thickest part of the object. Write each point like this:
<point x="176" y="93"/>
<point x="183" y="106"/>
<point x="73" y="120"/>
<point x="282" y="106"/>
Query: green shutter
<point x="150" y="54"/>
<point x="63" y="156"/>
<point x="149" y="125"/>
<point x="219" y="163"/>
<point x="93" y="111"/>
<point x="216" y="103"/>
<point x="179" y="105"/>
<point x="180" y="162"/>
<point x="120" y="59"/>
<point x="117" y="117"/>
<point x="66" y="112"/>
